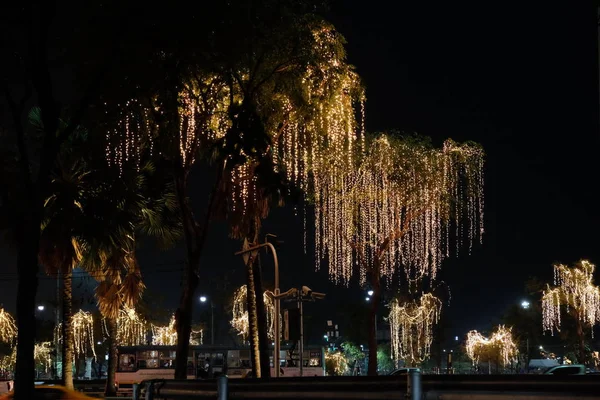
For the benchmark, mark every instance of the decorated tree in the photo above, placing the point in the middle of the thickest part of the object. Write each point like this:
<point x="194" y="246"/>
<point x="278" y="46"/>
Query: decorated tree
<point x="240" y="320"/>
<point x="399" y="207"/>
<point x="269" y="97"/>
<point x="499" y="349"/>
<point x="574" y="292"/>
<point x="411" y="325"/>
<point x="167" y="335"/>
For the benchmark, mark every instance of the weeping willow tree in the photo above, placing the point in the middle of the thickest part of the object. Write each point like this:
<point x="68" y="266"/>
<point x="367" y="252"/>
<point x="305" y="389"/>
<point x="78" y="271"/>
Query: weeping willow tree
<point x="398" y="210"/>
<point x="411" y="325"/>
<point x="575" y="291"/>
<point x="500" y="348"/>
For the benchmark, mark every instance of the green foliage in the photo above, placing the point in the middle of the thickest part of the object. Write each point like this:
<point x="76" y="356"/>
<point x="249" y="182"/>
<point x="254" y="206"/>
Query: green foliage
<point x="385" y="364"/>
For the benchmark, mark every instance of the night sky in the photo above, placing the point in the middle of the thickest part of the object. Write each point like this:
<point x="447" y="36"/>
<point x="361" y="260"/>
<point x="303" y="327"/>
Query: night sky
<point x="521" y="79"/>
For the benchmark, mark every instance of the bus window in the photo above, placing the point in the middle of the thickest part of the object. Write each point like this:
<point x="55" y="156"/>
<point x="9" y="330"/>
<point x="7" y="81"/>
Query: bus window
<point x="126" y="362"/>
<point x="217" y="360"/>
<point x="167" y="359"/>
<point x="148" y="359"/>
<point x="233" y="359"/>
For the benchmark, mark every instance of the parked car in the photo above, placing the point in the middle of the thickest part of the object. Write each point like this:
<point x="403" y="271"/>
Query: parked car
<point x="51" y="392"/>
<point x="566" y="369"/>
<point x="403" y="371"/>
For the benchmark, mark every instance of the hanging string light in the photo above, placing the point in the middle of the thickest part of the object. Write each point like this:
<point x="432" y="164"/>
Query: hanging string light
<point x="131" y="132"/>
<point x="131" y="328"/>
<point x="574" y="288"/>
<point x="42" y="354"/>
<point x="8" y="328"/>
<point x="500" y="347"/>
<point x="167" y="335"/>
<point x="83" y="333"/>
<point x="397" y="208"/>
<point x="411" y="326"/>
<point x="240" y="313"/>
<point x="336" y="360"/>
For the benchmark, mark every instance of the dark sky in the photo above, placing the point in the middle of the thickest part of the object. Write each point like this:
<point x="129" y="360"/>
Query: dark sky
<point x="521" y="79"/>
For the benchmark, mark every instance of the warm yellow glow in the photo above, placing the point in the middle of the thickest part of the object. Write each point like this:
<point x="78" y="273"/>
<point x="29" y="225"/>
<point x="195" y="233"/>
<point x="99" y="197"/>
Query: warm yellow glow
<point x="8" y="328"/>
<point x="573" y="288"/>
<point x="131" y="328"/>
<point x="42" y="355"/>
<point x="130" y="134"/>
<point x="499" y="348"/>
<point x="337" y="360"/>
<point x="83" y="333"/>
<point x="411" y="326"/>
<point x="167" y="335"/>
<point x="240" y="313"/>
<point x="399" y="208"/>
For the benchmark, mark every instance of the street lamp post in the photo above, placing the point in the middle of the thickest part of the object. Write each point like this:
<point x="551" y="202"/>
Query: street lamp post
<point x="276" y="301"/>
<point x="212" y="319"/>
<point x="525" y="306"/>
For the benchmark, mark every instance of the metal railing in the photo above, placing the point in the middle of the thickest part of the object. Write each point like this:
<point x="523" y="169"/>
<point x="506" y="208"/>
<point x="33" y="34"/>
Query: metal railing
<point x="412" y="387"/>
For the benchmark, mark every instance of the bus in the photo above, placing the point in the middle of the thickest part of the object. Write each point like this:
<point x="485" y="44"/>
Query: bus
<point x="138" y="363"/>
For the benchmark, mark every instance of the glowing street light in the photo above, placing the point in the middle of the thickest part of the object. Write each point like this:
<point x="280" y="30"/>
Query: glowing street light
<point x="370" y="293"/>
<point x="203" y="299"/>
<point x="525" y="304"/>
<point x="40" y="308"/>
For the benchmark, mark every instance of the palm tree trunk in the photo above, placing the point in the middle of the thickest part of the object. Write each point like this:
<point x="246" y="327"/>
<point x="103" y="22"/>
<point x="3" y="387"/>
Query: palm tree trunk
<point x="376" y="288"/>
<point x="67" y="329"/>
<point x="111" y="388"/>
<point x="253" y="321"/>
<point x="27" y="269"/>
<point x="261" y="320"/>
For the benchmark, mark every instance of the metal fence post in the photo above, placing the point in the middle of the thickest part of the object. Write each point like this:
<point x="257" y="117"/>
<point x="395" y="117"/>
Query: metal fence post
<point x="414" y="385"/>
<point x="150" y="390"/>
<point x="222" y="388"/>
<point x="136" y="391"/>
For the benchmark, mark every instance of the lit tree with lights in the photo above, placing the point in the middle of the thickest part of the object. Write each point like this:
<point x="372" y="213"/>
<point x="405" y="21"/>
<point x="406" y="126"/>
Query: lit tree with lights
<point x="167" y="335"/>
<point x="500" y="348"/>
<point x="8" y="328"/>
<point x="273" y="112"/>
<point x="574" y="290"/>
<point x="399" y="207"/>
<point x="240" y="320"/>
<point x="411" y="325"/>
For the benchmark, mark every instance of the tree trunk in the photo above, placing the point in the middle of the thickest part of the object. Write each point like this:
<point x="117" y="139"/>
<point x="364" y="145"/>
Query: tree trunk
<point x="183" y="315"/>
<point x="261" y="319"/>
<point x="253" y="320"/>
<point x="581" y="340"/>
<point x="111" y="387"/>
<point x="27" y="269"/>
<point x="376" y="288"/>
<point x="67" y="329"/>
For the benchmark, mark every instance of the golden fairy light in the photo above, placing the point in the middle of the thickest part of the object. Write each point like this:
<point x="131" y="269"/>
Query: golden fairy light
<point x="411" y="326"/>
<point x="83" y="333"/>
<point x="399" y="208"/>
<point x="499" y="348"/>
<point x="336" y="360"/>
<point x="42" y="354"/>
<point x="240" y="313"/>
<point x="130" y="134"/>
<point x="8" y="361"/>
<point x="131" y="328"/>
<point x="167" y="335"/>
<point x="573" y="288"/>
<point x="8" y="328"/>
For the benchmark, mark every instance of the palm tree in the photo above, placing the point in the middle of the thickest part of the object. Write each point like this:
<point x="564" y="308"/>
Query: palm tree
<point x="61" y="230"/>
<point x="137" y="204"/>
